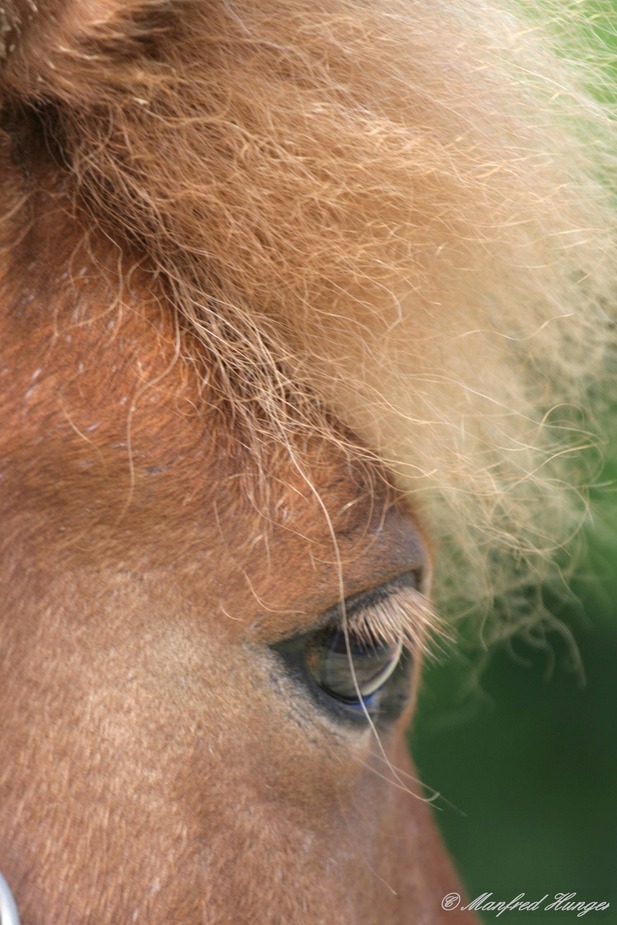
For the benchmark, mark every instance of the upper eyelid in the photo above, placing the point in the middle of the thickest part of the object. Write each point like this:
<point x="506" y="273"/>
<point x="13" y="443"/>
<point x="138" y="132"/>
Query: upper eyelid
<point x="398" y="612"/>
<point x="374" y="596"/>
<point x="397" y="604"/>
<point x="371" y="598"/>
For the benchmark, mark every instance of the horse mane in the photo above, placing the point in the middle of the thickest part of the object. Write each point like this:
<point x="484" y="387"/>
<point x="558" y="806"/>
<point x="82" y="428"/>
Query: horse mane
<point x="391" y="209"/>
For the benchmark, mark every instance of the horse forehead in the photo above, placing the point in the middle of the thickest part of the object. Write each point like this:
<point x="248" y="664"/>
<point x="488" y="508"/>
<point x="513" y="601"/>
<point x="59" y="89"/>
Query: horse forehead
<point x="114" y="441"/>
<point x="92" y="374"/>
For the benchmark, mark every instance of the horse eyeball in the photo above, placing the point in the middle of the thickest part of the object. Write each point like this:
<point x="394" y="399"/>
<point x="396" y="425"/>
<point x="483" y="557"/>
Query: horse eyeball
<point x="349" y="667"/>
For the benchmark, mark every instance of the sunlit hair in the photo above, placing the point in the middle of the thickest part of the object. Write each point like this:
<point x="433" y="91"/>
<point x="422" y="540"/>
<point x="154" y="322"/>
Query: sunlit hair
<point x="396" y="209"/>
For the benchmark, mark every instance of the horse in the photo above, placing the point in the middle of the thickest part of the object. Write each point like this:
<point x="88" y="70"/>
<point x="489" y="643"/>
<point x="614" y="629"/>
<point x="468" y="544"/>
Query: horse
<point x="302" y="308"/>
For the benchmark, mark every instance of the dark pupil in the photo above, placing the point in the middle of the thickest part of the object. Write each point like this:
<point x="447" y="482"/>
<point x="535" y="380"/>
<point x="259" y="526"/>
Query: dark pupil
<point x="334" y="660"/>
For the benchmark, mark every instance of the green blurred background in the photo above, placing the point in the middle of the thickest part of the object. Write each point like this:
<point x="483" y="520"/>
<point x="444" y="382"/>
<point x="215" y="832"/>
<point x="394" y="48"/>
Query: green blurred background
<point x="524" y="756"/>
<point x="522" y="745"/>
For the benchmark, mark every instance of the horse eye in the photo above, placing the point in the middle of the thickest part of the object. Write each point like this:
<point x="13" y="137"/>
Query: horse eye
<point x="355" y="665"/>
<point x="348" y="666"/>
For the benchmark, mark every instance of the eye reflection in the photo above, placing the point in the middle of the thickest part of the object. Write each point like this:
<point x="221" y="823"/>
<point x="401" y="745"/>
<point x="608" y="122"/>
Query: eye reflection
<point x="351" y="666"/>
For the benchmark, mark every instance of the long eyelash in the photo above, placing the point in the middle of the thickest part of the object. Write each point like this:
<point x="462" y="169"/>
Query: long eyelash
<point x="405" y="615"/>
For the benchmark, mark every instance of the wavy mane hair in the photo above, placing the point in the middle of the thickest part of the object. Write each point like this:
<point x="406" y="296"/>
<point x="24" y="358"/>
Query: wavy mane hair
<point x="394" y="210"/>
